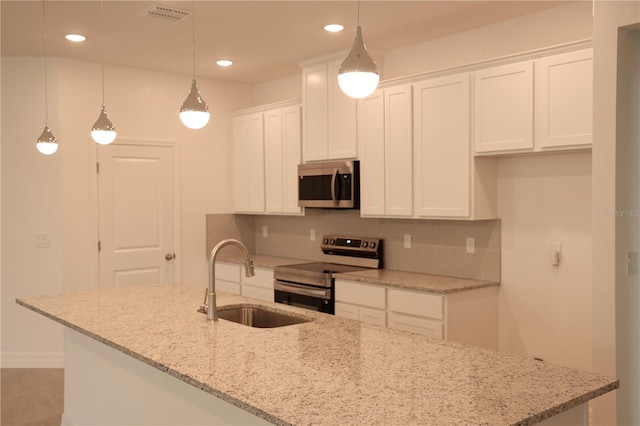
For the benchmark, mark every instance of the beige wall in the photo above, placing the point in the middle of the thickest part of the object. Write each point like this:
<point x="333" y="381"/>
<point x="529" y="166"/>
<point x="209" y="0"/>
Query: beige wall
<point x="545" y="310"/>
<point x="31" y="203"/>
<point x="57" y="194"/>
<point x="614" y="333"/>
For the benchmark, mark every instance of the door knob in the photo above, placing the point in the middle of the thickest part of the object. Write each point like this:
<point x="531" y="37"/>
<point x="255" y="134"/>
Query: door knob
<point x="170" y="256"/>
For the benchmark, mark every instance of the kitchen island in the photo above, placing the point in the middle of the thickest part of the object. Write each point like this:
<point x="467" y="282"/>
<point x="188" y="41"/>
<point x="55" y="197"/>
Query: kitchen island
<point x="148" y="354"/>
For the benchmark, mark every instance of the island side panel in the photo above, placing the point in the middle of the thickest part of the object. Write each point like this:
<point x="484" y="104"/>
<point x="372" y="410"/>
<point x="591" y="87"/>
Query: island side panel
<point x="106" y="387"/>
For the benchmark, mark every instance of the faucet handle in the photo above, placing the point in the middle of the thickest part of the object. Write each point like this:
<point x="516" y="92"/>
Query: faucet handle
<point x="248" y="266"/>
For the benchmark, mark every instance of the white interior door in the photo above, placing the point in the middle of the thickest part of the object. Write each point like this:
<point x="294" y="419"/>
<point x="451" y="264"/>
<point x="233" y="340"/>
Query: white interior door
<point x="135" y="202"/>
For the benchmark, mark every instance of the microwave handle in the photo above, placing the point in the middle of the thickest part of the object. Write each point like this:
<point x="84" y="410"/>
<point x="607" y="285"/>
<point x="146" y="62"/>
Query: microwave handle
<point x="333" y="187"/>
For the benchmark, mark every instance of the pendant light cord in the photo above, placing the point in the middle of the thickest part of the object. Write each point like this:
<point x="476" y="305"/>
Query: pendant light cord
<point x="358" y="10"/>
<point x="102" y="46"/>
<point x="46" y="90"/>
<point x="193" y="39"/>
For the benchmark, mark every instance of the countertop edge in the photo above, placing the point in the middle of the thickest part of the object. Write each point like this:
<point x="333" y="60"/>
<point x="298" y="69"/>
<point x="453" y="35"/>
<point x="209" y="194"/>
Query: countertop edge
<point x="163" y="368"/>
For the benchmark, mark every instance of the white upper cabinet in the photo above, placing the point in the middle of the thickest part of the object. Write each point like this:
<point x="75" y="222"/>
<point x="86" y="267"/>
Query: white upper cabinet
<point x="503" y="108"/>
<point x="543" y="104"/>
<point x="266" y="154"/>
<point x="372" y="154"/>
<point x="385" y="148"/>
<point x="564" y="100"/>
<point x="283" y="154"/>
<point x="248" y="163"/>
<point x="449" y="182"/>
<point x="329" y="117"/>
<point x="442" y="147"/>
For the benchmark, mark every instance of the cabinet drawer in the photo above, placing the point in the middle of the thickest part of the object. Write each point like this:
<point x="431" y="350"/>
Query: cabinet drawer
<point x="227" y="272"/>
<point x="262" y="278"/>
<point x="346" y="311"/>
<point x="228" y="287"/>
<point x="373" y="316"/>
<point x="361" y="294"/>
<point x="257" y="293"/>
<point x="429" y="328"/>
<point x="414" y="303"/>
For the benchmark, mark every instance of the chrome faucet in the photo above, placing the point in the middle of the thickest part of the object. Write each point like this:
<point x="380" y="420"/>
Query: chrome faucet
<point x="210" y="299"/>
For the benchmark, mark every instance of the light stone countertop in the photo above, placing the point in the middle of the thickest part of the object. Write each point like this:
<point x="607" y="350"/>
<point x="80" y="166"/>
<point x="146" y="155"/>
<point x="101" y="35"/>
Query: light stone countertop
<point x="388" y="277"/>
<point x="339" y="371"/>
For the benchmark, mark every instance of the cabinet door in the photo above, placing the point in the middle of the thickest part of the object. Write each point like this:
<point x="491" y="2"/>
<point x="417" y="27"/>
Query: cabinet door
<point x="503" y="108"/>
<point x="315" y="120"/>
<point x="373" y="316"/>
<point x="254" y="159"/>
<point x="371" y="154"/>
<point x="398" y="170"/>
<point x="442" y="147"/>
<point x="292" y="156"/>
<point x="564" y="99"/>
<point x="345" y="310"/>
<point x="429" y="328"/>
<point x="240" y="177"/>
<point x="274" y="161"/>
<point x="342" y="141"/>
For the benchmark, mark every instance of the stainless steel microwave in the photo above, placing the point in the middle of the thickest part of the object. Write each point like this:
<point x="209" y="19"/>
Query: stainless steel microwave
<point x="329" y="185"/>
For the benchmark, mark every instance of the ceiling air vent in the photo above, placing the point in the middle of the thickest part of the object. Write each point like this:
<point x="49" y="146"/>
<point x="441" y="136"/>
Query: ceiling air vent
<point x="164" y="13"/>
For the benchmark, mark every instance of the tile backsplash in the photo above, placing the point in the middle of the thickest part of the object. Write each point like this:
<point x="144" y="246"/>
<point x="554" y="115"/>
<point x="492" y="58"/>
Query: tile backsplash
<point x="437" y="246"/>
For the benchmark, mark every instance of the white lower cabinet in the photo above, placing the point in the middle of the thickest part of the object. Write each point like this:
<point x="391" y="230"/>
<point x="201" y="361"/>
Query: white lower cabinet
<point x="427" y="327"/>
<point x="363" y="302"/>
<point x="230" y="278"/>
<point x="469" y="317"/>
<point x="260" y="286"/>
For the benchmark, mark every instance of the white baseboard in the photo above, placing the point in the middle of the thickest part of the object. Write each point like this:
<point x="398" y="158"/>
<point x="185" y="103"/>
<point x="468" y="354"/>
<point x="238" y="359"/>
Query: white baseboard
<point x="32" y="360"/>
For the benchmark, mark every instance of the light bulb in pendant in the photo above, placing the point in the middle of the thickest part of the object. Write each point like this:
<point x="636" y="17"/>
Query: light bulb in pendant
<point x="358" y="76"/>
<point x="47" y="143"/>
<point x="103" y="131"/>
<point x="194" y="112"/>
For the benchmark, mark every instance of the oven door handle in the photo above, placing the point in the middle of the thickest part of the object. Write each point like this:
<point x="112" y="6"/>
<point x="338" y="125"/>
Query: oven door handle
<point x="302" y="290"/>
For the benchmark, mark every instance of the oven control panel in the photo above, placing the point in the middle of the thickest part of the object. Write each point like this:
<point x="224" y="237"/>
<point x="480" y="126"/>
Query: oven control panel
<point x="350" y="244"/>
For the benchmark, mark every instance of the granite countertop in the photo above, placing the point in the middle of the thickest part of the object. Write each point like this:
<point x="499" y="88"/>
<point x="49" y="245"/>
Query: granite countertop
<point x="388" y="277"/>
<point x="339" y="371"/>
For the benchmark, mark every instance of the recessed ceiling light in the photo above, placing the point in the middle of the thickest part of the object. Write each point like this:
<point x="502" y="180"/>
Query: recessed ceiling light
<point x="77" y="38"/>
<point x="333" y="28"/>
<point x="224" y="62"/>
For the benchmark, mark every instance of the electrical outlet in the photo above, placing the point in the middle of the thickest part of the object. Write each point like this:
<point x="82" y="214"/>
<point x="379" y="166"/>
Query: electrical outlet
<point x="407" y="241"/>
<point x="312" y="234"/>
<point x="471" y="245"/>
<point x="265" y="231"/>
<point x="42" y="240"/>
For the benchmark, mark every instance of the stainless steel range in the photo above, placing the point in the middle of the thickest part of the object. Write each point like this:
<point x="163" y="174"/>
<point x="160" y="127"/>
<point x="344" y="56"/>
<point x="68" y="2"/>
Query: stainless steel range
<point x="311" y="285"/>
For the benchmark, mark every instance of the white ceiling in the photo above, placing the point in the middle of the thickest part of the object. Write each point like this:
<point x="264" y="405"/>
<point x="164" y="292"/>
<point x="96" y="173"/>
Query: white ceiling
<point x="266" y="39"/>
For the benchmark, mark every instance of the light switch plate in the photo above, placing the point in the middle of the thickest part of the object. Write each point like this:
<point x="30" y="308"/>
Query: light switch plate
<point x="312" y="234"/>
<point x="265" y="231"/>
<point x="407" y="241"/>
<point x="632" y="263"/>
<point x="43" y="240"/>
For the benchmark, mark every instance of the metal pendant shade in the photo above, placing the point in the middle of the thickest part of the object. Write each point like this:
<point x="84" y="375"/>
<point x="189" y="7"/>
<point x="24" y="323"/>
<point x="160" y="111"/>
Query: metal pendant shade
<point x="194" y="112"/>
<point x="358" y="75"/>
<point x="103" y="131"/>
<point x="47" y="144"/>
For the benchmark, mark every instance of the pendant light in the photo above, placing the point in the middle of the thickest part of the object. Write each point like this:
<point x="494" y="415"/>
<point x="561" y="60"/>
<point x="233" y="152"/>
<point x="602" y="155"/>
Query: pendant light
<point x="103" y="131"/>
<point x="194" y="112"/>
<point x="358" y="76"/>
<point x="47" y="143"/>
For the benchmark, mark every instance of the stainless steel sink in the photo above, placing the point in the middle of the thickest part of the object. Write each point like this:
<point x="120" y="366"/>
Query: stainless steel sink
<point x="259" y="317"/>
